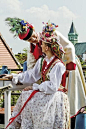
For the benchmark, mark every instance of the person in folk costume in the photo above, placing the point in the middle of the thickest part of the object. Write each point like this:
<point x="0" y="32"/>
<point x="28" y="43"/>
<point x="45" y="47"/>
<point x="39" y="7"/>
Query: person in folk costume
<point x="34" y="51"/>
<point x="25" y="31"/>
<point x="48" y="108"/>
<point x="76" y="89"/>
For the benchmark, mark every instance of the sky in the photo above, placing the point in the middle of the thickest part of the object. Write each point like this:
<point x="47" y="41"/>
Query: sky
<point x="60" y="12"/>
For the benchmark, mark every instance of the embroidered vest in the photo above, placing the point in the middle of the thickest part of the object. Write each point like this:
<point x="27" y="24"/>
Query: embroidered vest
<point x="45" y="69"/>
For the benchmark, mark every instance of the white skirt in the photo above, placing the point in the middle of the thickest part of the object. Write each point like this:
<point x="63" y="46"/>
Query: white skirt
<point x="42" y="111"/>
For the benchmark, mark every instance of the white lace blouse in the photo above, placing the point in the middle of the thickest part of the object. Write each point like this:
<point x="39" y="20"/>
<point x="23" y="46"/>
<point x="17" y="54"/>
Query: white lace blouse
<point x="33" y="75"/>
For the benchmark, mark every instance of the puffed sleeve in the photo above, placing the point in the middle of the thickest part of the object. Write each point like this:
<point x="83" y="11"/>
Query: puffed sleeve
<point x="29" y="76"/>
<point x="69" y="58"/>
<point x="49" y="87"/>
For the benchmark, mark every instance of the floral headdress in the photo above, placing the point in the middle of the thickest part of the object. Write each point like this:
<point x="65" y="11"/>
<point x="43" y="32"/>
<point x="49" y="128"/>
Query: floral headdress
<point x="49" y="28"/>
<point x="20" y="27"/>
<point x="48" y="35"/>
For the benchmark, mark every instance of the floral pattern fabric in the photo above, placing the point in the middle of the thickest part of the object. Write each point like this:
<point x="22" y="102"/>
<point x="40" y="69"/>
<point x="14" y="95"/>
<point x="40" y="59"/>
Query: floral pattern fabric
<point x="43" y="111"/>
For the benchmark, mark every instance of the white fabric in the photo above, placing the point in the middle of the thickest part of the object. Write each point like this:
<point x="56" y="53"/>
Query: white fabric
<point x="77" y="86"/>
<point x="68" y="48"/>
<point x="49" y="60"/>
<point x="30" y="59"/>
<point x="33" y="75"/>
<point x="76" y="89"/>
<point x="42" y="111"/>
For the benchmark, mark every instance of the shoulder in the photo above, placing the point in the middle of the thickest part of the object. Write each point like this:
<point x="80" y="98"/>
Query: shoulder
<point x="59" y="65"/>
<point x="38" y="64"/>
<point x="40" y="60"/>
<point x="57" y="33"/>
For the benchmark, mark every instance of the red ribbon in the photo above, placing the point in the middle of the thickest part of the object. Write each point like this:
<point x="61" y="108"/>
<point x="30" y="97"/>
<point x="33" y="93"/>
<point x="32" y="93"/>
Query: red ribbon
<point x="13" y="118"/>
<point x="77" y="112"/>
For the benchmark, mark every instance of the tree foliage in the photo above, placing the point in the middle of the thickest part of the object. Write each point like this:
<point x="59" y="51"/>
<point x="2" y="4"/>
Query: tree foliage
<point x="22" y="57"/>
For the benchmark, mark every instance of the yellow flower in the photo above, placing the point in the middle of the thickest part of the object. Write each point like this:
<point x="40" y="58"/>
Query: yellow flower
<point x="24" y="27"/>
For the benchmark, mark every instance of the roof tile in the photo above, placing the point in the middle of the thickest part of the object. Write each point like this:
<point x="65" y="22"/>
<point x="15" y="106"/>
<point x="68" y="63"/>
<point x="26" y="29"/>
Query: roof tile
<point x="6" y="55"/>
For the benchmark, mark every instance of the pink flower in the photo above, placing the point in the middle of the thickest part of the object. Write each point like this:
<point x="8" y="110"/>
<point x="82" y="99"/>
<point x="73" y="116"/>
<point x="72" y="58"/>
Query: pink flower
<point x="47" y="35"/>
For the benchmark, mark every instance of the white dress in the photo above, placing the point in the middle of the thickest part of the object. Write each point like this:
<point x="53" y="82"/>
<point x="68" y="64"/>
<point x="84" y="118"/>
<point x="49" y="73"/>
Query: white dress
<point x="47" y="109"/>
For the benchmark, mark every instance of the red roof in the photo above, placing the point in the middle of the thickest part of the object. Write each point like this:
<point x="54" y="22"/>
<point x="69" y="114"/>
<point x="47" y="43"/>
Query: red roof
<point x="6" y="55"/>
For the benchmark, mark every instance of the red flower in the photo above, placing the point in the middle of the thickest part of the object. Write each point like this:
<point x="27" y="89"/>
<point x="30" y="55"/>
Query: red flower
<point x="54" y="48"/>
<point x="42" y="38"/>
<point x="47" y="35"/>
<point x="31" y="26"/>
<point x="56" y="26"/>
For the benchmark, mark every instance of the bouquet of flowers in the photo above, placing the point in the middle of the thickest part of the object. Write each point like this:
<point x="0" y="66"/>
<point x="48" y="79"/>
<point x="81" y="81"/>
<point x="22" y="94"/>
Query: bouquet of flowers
<point x="18" y="26"/>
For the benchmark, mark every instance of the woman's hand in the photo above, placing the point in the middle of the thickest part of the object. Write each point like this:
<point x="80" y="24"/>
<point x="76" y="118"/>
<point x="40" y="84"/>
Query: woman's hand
<point x="9" y="76"/>
<point x="83" y="109"/>
<point x="28" y="88"/>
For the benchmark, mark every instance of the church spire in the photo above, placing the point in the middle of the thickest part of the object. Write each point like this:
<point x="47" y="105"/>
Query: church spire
<point x="72" y="28"/>
<point x="73" y="35"/>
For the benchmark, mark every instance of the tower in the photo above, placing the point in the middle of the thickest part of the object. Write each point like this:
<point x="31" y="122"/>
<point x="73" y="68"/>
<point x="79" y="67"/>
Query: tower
<point x="73" y="35"/>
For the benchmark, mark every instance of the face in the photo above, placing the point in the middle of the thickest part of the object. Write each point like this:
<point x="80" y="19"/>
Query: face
<point x="33" y="38"/>
<point x="44" y="47"/>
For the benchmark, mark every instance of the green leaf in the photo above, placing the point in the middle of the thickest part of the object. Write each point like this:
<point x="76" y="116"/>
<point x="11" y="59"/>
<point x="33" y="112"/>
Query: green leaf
<point x="12" y="29"/>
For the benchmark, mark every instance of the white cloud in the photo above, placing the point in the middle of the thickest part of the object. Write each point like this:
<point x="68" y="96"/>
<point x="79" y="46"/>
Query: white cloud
<point x="10" y="6"/>
<point x="36" y="15"/>
<point x="14" y="5"/>
<point x="63" y="17"/>
<point x="44" y="12"/>
<point x="66" y="13"/>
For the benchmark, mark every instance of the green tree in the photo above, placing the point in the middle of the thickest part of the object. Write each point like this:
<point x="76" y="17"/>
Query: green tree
<point x="22" y="57"/>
